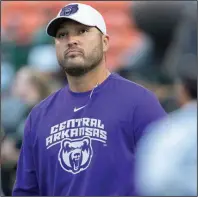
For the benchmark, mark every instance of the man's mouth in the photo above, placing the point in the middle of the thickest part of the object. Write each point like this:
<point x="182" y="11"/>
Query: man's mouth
<point x="73" y="52"/>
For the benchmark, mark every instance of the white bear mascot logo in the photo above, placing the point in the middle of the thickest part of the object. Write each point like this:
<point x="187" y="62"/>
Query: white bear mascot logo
<point x="75" y="155"/>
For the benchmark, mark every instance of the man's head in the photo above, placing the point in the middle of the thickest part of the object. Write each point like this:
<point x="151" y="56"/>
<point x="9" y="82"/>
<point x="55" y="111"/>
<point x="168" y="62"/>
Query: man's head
<point x="80" y="38"/>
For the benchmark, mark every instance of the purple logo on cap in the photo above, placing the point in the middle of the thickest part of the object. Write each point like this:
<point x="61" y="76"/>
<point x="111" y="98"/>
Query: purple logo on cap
<point x="68" y="10"/>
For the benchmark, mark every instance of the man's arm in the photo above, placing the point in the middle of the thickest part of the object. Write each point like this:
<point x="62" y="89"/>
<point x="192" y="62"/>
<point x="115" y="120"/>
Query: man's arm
<point x="26" y="181"/>
<point x="147" y="111"/>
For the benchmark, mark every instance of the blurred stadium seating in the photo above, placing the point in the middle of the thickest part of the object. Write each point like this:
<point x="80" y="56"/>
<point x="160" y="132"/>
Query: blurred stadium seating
<point x="116" y="15"/>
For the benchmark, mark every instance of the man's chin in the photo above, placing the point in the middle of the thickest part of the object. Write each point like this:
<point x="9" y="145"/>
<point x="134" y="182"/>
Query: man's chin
<point x="76" y="71"/>
<point x="75" y="62"/>
<point x="78" y="67"/>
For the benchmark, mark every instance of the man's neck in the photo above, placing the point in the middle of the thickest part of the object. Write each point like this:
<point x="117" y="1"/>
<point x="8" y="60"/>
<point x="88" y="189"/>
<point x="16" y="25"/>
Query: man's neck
<point x="88" y="81"/>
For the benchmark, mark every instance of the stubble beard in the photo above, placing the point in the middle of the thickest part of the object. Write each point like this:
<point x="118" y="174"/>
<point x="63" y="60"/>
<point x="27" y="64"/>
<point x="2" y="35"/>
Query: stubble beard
<point x="77" y="70"/>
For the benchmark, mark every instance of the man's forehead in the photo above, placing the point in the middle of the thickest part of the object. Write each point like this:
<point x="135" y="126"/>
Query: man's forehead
<point x="69" y="22"/>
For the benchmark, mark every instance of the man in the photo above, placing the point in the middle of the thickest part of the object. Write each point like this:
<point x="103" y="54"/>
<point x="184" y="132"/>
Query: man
<point x="166" y="162"/>
<point x="81" y="140"/>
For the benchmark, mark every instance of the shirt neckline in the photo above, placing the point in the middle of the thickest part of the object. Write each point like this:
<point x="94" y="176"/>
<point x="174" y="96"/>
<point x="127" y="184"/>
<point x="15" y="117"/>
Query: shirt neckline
<point x="96" y="89"/>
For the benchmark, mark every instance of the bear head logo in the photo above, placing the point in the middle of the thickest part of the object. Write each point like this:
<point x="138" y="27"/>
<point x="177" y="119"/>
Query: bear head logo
<point x="75" y="155"/>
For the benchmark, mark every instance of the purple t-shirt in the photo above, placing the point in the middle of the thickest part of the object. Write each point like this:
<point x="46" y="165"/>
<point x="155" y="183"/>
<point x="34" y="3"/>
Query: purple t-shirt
<point x="78" y="145"/>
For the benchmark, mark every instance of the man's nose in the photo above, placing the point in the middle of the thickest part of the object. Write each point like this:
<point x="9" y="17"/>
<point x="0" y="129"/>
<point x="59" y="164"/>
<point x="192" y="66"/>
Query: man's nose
<point x="72" y="40"/>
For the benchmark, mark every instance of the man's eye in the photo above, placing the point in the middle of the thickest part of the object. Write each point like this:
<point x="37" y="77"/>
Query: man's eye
<point x="82" y="31"/>
<point x="61" y="35"/>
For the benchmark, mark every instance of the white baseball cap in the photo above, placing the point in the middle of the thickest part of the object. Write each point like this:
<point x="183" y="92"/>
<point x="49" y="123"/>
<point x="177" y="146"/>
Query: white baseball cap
<point x="82" y="13"/>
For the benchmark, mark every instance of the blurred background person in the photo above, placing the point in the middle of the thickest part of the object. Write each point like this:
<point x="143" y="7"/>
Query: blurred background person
<point x="167" y="154"/>
<point x="29" y="87"/>
<point x="157" y="22"/>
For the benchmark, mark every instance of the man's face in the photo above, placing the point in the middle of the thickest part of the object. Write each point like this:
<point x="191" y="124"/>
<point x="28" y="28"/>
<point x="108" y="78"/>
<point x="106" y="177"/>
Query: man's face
<point x="79" y="48"/>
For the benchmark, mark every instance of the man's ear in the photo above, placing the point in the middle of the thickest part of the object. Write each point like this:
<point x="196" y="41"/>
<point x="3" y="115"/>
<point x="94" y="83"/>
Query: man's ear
<point x="105" y="39"/>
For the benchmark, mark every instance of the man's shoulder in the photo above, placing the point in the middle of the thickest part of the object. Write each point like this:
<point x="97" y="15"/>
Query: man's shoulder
<point x="131" y="88"/>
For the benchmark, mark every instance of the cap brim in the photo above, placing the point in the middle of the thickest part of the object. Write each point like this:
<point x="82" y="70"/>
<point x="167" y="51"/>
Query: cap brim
<point x="54" y="24"/>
